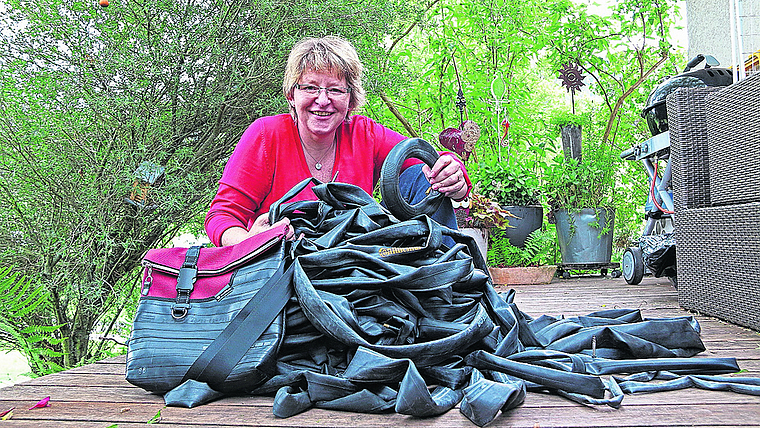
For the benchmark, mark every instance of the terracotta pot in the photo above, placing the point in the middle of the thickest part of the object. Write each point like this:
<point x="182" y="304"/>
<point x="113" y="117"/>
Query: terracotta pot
<point x="522" y="275"/>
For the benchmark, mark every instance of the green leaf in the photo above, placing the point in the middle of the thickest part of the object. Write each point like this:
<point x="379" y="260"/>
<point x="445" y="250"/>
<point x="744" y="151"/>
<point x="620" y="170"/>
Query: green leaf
<point x="156" y="418"/>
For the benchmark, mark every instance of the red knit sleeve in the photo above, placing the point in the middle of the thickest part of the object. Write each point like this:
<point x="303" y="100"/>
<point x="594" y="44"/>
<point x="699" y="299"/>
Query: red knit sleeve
<point x="245" y="183"/>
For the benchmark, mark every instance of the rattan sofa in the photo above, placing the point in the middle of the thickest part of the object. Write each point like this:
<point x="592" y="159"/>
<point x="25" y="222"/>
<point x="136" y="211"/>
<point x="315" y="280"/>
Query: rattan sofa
<point x="715" y="150"/>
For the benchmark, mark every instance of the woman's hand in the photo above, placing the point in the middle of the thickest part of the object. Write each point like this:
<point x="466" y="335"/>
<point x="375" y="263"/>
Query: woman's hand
<point x="262" y="223"/>
<point x="447" y="177"/>
<point x="235" y="235"/>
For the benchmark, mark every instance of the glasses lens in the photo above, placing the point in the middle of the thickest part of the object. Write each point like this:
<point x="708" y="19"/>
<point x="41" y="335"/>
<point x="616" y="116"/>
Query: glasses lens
<point x="309" y="89"/>
<point x="335" y="91"/>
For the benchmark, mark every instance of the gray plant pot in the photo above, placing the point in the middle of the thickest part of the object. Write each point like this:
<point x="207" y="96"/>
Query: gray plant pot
<point x="530" y="218"/>
<point x="579" y="241"/>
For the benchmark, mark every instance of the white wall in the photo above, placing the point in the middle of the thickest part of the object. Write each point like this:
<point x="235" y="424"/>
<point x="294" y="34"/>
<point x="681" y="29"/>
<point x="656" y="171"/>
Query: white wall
<point x="709" y="28"/>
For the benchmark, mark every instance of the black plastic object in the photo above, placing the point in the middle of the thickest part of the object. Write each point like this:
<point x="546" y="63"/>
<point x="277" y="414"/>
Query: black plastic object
<point x="529" y="219"/>
<point x="191" y="393"/>
<point x="484" y="398"/>
<point x="389" y="179"/>
<point x="656" y="113"/>
<point x="659" y="254"/>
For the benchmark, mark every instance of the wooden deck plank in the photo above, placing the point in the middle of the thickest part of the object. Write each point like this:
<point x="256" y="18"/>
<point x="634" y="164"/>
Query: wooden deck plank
<point x="26" y="397"/>
<point x="97" y="395"/>
<point x="524" y="416"/>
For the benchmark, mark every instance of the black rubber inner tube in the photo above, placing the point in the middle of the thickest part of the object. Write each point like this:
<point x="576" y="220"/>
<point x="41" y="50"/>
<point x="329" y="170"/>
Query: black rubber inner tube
<point x="389" y="179"/>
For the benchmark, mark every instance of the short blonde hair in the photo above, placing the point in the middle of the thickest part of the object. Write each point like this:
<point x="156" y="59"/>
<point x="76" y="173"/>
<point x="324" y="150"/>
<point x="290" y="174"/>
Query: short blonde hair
<point x="329" y="53"/>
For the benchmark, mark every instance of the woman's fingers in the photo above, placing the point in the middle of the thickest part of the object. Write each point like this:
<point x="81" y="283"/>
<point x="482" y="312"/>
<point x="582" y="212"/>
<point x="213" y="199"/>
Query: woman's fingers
<point x="446" y="176"/>
<point x="454" y="189"/>
<point x="289" y="233"/>
<point x="262" y="223"/>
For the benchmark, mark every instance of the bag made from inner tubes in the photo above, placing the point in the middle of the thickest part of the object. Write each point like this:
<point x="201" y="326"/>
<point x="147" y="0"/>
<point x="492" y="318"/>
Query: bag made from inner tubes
<point x="188" y="297"/>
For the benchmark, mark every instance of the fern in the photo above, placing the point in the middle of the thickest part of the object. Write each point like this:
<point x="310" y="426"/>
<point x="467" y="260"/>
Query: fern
<point x="540" y="249"/>
<point x="20" y="303"/>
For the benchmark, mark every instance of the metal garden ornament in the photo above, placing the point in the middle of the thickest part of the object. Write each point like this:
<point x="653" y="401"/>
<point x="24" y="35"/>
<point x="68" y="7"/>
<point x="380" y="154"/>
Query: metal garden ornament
<point x="572" y="79"/>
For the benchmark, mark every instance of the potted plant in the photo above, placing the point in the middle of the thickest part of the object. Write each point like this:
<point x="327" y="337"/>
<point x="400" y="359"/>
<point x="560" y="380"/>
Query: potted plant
<point x="479" y="214"/>
<point x="580" y="194"/>
<point x="532" y="264"/>
<point x="512" y="184"/>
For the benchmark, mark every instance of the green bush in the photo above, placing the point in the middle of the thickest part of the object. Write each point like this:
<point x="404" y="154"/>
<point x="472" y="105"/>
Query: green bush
<point x="21" y="326"/>
<point x="574" y="184"/>
<point x="508" y="182"/>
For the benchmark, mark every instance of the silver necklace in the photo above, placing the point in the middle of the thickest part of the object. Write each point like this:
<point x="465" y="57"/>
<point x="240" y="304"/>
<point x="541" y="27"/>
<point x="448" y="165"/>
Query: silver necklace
<point x="318" y="163"/>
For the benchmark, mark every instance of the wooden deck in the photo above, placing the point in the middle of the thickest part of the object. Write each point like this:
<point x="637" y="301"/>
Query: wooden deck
<point x="98" y="396"/>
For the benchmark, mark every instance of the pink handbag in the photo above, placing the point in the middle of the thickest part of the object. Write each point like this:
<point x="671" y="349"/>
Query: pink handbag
<point x="192" y="299"/>
<point x="216" y="265"/>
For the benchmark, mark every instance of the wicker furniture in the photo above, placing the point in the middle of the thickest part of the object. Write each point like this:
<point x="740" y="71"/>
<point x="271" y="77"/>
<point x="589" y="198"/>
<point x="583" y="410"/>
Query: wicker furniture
<point x="715" y="142"/>
<point x="733" y="115"/>
<point x="688" y="147"/>
<point x="718" y="259"/>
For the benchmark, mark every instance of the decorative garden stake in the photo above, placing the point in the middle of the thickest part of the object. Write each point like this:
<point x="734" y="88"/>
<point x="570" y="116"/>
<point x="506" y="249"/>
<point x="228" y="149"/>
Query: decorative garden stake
<point x="572" y="79"/>
<point x="461" y="102"/>
<point x="505" y="131"/>
<point x="460" y="140"/>
<point x="498" y="92"/>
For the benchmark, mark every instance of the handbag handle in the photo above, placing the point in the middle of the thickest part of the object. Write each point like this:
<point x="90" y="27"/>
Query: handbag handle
<point x="216" y="362"/>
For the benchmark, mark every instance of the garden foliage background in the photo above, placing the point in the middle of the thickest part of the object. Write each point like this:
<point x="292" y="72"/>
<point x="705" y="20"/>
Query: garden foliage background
<point x="89" y="93"/>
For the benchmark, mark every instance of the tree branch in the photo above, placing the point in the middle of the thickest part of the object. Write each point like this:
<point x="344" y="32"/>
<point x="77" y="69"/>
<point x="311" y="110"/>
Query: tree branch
<point x="410" y="28"/>
<point x="402" y="119"/>
<point x="619" y="103"/>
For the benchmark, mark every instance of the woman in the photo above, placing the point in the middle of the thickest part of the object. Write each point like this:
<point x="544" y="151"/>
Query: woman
<point x="318" y="138"/>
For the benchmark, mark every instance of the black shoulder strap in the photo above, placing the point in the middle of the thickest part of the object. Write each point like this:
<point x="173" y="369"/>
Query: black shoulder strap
<point x="221" y="356"/>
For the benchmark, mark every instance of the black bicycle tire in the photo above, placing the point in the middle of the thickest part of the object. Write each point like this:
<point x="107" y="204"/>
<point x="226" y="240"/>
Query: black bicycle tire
<point x="389" y="179"/>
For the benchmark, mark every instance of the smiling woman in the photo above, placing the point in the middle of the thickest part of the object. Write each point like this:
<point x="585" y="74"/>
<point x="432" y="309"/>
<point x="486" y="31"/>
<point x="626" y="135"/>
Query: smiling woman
<point x="319" y="138"/>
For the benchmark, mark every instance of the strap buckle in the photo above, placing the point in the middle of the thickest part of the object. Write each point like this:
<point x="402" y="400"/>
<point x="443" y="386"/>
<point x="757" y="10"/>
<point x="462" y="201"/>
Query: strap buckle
<point x="188" y="273"/>
<point x="186" y="279"/>
<point x="180" y="310"/>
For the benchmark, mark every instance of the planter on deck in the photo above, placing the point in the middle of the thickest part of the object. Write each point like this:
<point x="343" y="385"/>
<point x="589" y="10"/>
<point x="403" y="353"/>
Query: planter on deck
<point x="522" y="275"/>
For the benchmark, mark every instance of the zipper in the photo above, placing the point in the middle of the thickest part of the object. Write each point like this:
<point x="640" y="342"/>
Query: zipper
<point x="224" y="292"/>
<point x="148" y="278"/>
<point x="212" y="272"/>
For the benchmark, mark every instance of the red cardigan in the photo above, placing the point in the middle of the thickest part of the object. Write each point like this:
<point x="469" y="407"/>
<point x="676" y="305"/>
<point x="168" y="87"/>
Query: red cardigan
<point x="268" y="161"/>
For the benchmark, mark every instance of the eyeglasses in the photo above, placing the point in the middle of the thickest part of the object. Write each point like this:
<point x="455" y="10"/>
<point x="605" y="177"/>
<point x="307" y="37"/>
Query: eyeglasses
<point x="332" y="92"/>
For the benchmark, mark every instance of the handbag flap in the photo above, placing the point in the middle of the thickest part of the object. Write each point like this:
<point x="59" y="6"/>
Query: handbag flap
<point x="216" y="260"/>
